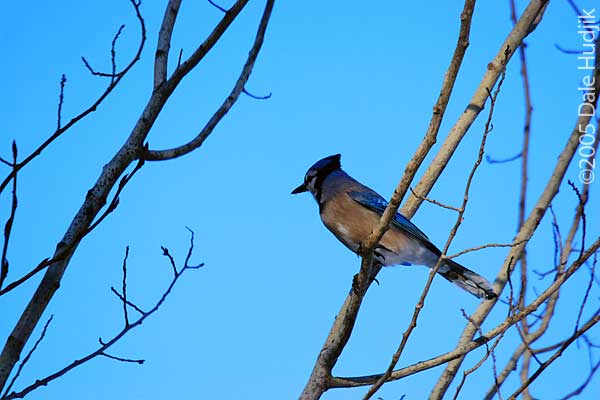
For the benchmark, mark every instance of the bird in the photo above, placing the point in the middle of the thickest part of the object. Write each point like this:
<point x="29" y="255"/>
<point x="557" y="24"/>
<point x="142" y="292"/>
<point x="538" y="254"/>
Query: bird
<point x="350" y="210"/>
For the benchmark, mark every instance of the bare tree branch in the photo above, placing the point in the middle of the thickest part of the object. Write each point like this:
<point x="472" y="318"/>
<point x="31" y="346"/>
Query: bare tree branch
<point x="321" y="379"/>
<point x="105" y="345"/>
<point x="483" y="246"/>
<point x="525" y="232"/>
<point x="585" y="383"/>
<point x="159" y="155"/>
<point x="164" y="42"/>
<point x="61" y="98"/>
<point x="27" y="357"/>
<point x="459" y="218"/>
<point x="133" y="149"/>
<point x="43" y="264"/>
<point x="463" y="349"/>
<point x="93" y="107"/>
<point x="587" y="326"/>
<point x="460" y="128"/>
<point x="433" y="201"/>
<point x="11" y="218"/>
<point x="218" y="7"/>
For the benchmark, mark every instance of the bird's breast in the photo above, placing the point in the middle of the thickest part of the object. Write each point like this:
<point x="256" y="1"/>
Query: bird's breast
<point x="347" y="220"/>
<point x="352" y="223"/>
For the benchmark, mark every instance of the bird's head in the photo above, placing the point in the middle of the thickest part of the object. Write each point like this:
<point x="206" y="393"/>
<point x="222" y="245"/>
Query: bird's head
<point x="317" y="173"/>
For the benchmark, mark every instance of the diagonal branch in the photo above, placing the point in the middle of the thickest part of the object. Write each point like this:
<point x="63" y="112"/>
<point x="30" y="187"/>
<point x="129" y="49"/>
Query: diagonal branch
<point x="164" y="42"/>
<point x="459" y="218"/>
<point x="521" y="29"/>
<point x="159" y="155"/>
<point x="96" y="198"/>
<point x="93" y="107"/>
<point x="526" y="231"/>
<point x="27" y="357"/>
<point x="467" y="347"/>
<point x="320" y="379"/>
<point x="104" y="345"/>
<point x="587" y="326"/>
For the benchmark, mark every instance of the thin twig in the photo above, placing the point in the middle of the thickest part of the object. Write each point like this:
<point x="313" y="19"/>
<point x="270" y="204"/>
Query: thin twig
<point x="104" y="345"/>
<point x="43" y="264"/>
<point x="320" y="379"/>
<point x="129" y="303"/>
<point x="585" y="383"/>
<point x="491" y="160"/>
<point x="484" y="246"/>
<point x="165" y="252"/>
<point x="529" y="228"/>
<point x="247" y="93"/>
<point x="218" y="7"/>
<point x="113" y="54"/>
<point x="461" y="351"/>
<point x="159" y="155"/>
<point x="421" y="303"/>
<point x="126" y="360"/>
<point x="587" y="292"/>
<point x="93" y="107"/>
<point x="61" y="97"/>
<point x="11" y="218"/>
<point x="124" y="286"/>
<point x="433" y="201"/>
<point x="477" y="366"/>
<point x="27" y="357"/>
<point x="587" y="326"/>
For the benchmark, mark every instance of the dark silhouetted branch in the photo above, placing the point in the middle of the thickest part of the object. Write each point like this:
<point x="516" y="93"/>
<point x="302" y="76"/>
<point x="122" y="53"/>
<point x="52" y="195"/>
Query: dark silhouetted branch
<point x="587" y="326"/>
<point x="218" y="7"/>
<point x="61" y="98"/>
<point x="93" y="107"/>
<point x="247" y="93"/>
<point x="105" y="345"/>
<point x="11" y="218"/>
<point x="503" y="160"/>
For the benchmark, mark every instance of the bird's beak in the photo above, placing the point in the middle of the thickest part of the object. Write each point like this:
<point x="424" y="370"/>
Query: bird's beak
<point x="299" y="189"/>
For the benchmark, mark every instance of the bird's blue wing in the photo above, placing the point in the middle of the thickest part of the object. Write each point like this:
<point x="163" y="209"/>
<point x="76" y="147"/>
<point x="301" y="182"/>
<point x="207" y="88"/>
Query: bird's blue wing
<point x="376" y="203"/>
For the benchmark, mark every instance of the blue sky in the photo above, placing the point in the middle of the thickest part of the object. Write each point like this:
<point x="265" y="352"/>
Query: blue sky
<point x="351" y="79"/>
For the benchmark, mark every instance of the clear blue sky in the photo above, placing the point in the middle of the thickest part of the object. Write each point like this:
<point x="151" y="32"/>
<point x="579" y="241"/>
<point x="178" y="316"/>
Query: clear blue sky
<point x="355" y="78"/>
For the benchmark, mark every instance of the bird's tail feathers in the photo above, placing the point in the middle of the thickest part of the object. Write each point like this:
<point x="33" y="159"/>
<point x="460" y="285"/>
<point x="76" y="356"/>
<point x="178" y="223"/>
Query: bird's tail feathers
<point x="467" y="280"/>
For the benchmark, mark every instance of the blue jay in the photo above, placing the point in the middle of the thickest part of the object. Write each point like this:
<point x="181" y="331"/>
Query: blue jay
<point x="350" y="210"/>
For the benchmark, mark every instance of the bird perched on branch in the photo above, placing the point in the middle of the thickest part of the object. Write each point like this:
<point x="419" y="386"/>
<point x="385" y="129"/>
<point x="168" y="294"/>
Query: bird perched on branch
<point x="350" y="210"/>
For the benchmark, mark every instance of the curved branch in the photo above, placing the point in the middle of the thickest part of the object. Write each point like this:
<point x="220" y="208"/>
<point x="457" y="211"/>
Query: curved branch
<point x="159" y="155"/>
<point x="96" y="198"/>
